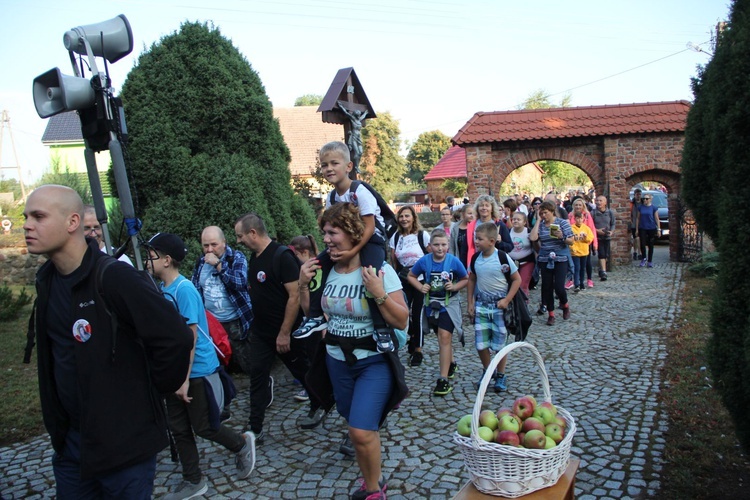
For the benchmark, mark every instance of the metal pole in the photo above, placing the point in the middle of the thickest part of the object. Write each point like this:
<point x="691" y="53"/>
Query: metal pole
<point x="98" y="196"/>
<point x="123" y="188"/>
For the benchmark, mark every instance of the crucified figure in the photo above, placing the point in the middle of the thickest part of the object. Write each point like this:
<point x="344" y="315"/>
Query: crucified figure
<point x="354" y="141"/>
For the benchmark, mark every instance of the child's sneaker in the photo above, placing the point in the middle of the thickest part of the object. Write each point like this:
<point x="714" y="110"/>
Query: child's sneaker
<point x="442" y="387"/>
<point x="650" y="264"/>
<point x="589" y="283"/>
<point x="416" y="358"/>
<point x="569" y="284"/>
<point x="245" y="459"/>
<point x="501" y="383"/>
<point x="603" y="276"/>
<point x="643" y="263"/>
<point x="383" y="340"/>
<point x="310" y="326"/>
<point x="452" y="369"/>
<point x="362" y="494"/>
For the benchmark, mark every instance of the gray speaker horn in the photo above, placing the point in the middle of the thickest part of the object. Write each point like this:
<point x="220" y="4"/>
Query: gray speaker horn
<point x="55" y="93"/>
<point x="117" y="35"/>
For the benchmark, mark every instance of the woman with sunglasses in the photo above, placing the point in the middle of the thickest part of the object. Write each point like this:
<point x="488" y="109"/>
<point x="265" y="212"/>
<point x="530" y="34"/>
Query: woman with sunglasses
<point x="533" y="212"/>
<point x="647" y="228"/>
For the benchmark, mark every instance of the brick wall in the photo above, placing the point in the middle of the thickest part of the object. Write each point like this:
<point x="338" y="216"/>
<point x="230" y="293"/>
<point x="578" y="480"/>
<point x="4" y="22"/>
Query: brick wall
<point x="614" y="165"/>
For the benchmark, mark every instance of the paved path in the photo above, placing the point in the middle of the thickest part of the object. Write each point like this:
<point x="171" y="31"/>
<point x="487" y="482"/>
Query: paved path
<point x="603" y="366"/>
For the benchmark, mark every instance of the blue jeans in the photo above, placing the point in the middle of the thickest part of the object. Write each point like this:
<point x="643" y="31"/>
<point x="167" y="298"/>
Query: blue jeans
<point x="361" y="391"/>
<point x="579" y="275"/>
<point x="134" y="482"/>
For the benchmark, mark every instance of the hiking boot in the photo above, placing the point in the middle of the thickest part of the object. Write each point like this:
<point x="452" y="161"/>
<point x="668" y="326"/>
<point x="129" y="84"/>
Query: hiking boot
<point x="569" y="284"/>
<point x="245" y="460"/>
<point x="542" y="309"/>
<point x="501" y="383"/>
<point x="589" y="283"/>
<point x="302" y="396"/>
<point x="188" y="490"/>
<point x="650" y="264"/>
<point x="270" y="389"/>
<point x="346" y="447"/>
<point x="313" y="418"/>
<point x="566" y="313"/>
<point x="442" y="387"/>
<point x="416" y="359"/>
<point x="363" y="494"/>
<point x="603" y="276"/>
<point x="225" y="416"/>
<point x="310" y="326"/>
<point x="452" y="369"/>
<point x="550" y="320"/>
<point x="643" y="263"/>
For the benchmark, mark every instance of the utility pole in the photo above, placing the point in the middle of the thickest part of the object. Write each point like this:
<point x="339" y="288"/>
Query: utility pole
<point x="6" y="125"/>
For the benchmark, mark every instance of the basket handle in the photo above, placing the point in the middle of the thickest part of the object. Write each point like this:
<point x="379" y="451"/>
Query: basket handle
<point x="491" y="370"/>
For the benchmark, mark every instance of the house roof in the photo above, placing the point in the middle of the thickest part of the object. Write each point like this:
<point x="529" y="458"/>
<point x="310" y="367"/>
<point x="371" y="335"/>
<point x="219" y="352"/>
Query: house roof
<point x="63" y="127"/>
<point x="338" y="92"/>
<point x="553" y="123"/>
<point x="304" y="134"/>
<point x="451" y="165"/>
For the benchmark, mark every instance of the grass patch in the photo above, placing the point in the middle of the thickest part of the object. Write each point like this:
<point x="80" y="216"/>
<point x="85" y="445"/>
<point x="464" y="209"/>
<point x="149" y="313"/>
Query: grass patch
<point x="703" y="457"/>
<point x="20" y="413"/>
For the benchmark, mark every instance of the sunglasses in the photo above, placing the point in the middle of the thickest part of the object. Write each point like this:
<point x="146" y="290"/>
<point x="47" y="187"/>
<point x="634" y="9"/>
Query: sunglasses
<point x="646" y="198"/>
<point x="537" y="203"/>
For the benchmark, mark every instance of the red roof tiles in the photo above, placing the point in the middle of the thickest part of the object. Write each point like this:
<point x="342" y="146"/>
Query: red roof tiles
<point x="552" y="123"/>
<point x="304" y="133"/>
<point x="450" y="166"/>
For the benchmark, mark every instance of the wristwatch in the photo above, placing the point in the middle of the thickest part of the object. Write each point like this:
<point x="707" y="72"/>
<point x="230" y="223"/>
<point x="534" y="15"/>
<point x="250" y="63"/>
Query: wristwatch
<point x="380" y="300"/>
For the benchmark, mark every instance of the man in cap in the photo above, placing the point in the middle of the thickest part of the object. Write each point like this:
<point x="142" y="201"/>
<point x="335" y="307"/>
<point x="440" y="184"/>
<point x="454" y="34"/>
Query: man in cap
<point x="194" y="408"/>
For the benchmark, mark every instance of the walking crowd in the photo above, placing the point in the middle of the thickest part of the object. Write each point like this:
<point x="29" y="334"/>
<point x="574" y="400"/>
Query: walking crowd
<point x="128" y="362"/>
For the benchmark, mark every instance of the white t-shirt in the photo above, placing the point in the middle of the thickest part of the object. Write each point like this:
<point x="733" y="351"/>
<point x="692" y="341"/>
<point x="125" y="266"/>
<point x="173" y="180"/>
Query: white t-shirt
<point x="366" y="202"/>
<point x="408" y="250"/>
<point x="521" y="244"/>
<point x="523" y="208"/>
<point x="345" y="303"/>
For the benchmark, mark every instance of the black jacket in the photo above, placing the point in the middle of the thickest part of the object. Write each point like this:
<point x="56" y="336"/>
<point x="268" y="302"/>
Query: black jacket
<point x="123" y="421"/>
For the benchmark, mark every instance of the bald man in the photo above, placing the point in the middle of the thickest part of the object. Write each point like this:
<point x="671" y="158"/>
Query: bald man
<point x="220" y="275"/>
<point x="104" y="360"/>
<point x="92" y="229"/>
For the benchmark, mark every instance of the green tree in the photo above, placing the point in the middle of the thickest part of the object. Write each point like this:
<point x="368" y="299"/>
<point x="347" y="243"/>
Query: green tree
<point x="381" y="164"/>
<point x="425" y="153"/>
<point x="60" y="174"/>
<point x="715" y="169"/>
<point x="309" y="100"/>
<point x="455" y="186"/>
<point x="539" y="99"/>
<point x="204" y="147"/>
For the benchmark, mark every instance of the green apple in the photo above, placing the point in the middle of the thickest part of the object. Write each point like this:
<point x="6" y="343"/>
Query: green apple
<point x="549" y="443"/>
<point x="509" y="423"/>
<point x="464" y="425"/>
<point x="535" y="440"/>
<point x="555" y="432"/>
<point x="549" y="405"/>
<point x="486" y="434"/>
<point x="487" y="418"/>
<point x="544" y="414"/>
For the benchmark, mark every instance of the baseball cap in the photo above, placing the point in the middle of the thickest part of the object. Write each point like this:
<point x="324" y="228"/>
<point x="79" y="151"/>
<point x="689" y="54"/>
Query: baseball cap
<point x="169" y="244"/>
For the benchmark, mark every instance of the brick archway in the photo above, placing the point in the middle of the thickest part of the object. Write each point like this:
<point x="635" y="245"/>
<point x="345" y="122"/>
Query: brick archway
<point x="616" y="146"/>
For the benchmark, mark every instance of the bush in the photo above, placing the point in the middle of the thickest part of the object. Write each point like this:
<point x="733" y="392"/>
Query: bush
<point x="10" y="307"/>
<point x="707" y="266"/>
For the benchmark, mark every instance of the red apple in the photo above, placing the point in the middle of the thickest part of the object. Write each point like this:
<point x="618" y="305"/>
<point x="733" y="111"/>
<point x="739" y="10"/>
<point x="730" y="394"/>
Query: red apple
<point x="521" y="435"/>
<point x="555" y="432"/>
<point x="508" y="437"/>
<point x="488" y="419"/>
<point x="549" y="405"/>
<point x="561" y="422"/>
<point x="535" y="440"/>
<point x="503" y="411"/>
<point x="533" y="423"/>
<point x="532" y="398"/>
<point x="523" y="407"/>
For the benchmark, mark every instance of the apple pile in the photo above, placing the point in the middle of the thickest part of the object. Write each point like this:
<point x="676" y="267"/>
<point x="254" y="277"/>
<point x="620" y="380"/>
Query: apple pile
<point x="525" y="425"/>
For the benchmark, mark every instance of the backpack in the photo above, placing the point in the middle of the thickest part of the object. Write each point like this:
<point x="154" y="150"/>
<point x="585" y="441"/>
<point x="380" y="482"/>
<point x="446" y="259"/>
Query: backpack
<point x="516" y="316"/>
<point x="389" y="218"/>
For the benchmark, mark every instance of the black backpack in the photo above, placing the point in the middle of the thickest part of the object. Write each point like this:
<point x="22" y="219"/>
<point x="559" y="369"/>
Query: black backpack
<point x="389" y="218"/>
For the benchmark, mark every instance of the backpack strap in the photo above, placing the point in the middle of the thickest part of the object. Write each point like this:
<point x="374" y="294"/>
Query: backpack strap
<point x="504" y="260"/>
<point x="420" y="240"/>
<point x="102" y="263"/>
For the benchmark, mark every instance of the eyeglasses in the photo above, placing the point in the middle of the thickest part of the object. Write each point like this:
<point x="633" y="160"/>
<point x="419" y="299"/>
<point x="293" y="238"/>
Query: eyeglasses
<point x="92" y="229"/>
<point x="646" y="198"/>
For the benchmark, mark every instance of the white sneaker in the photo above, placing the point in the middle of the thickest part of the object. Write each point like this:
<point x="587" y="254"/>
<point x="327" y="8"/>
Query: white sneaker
<point x="245" y="460"/>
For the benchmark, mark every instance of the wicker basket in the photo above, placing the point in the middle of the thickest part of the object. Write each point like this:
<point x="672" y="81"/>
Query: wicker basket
<point x="505" y="471"/>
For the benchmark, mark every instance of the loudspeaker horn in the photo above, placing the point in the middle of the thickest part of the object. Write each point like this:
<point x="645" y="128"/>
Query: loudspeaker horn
<point x="55" y="93"/>
<point x="116" y="34"/>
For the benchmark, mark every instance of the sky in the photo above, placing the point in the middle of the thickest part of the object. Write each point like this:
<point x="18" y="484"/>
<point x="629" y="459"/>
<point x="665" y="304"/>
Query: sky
<point x="431" y="63"/>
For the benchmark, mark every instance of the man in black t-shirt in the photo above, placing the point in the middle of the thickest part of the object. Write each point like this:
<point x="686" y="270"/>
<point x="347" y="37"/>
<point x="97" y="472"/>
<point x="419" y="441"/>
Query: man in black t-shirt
<point x="272" y="278"/>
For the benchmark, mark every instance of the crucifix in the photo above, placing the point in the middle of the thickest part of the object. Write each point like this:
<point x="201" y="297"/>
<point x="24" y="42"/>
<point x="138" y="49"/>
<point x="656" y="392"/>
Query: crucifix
<point x="346" y="103"/>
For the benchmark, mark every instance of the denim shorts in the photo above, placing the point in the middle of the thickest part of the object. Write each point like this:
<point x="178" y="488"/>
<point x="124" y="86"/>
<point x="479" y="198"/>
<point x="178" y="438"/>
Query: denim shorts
<point x="489" y="327"/>
<point x="361" y="391"/>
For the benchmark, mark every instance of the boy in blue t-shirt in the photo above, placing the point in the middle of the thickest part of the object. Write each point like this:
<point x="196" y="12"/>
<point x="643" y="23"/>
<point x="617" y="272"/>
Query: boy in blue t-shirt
<point x="190" y="410"/>
<point x="335" y="165"/>
<point x="489" y="294"/>
<point x="444" y="276"/>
